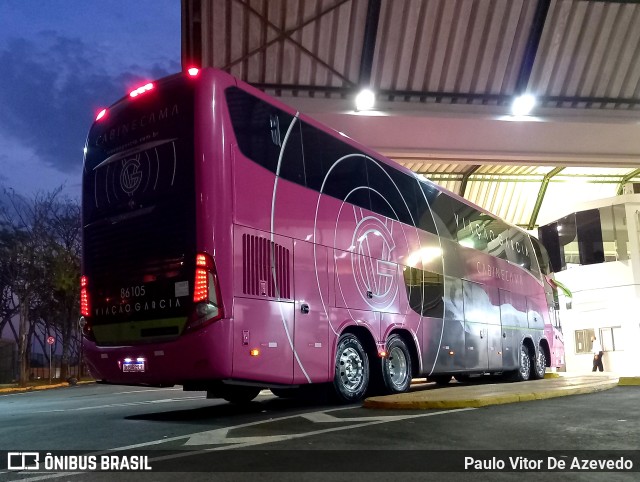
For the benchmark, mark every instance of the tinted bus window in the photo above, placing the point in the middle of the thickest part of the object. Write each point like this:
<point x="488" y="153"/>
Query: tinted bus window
<point x="292" y="167"/>
<point x="321" y="153"/>
<point x="393" y="192"/>
<point x="259" y="127"/>
<point x="425" y="291"/>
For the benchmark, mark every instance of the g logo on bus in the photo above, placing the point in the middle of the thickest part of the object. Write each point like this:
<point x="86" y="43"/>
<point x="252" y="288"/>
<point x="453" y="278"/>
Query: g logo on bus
<point x="131" y="175"/>
<point x="375" y="275"/>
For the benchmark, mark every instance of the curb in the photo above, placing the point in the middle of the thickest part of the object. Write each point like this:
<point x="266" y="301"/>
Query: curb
<point x="408" y="402"/>
<point x="629" y="381"/>
<point x="5" y="391"/>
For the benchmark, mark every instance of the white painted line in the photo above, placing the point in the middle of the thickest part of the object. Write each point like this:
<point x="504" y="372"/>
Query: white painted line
<point x="218" y="436"/>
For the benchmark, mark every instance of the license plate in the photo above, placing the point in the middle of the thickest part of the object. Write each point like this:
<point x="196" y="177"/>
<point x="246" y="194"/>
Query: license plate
<point x="133" y="366"/>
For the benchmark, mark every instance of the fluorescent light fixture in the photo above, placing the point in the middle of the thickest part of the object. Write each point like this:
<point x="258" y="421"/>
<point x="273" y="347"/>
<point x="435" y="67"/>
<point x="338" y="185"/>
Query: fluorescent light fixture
<point x="365" y="100"/>
<point x="523" y="104"/>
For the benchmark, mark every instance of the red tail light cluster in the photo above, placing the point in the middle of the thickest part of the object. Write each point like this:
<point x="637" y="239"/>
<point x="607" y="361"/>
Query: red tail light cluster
<point x="84" y="296"/>
<point x="206" y="294"/>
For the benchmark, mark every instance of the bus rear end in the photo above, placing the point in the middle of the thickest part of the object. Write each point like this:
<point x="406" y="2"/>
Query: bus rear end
<point x="150" y="296"/>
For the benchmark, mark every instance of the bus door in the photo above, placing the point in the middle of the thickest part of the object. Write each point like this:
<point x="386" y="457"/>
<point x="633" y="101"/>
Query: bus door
<point x="476" y="305"/>
<point x="494" y="329"/>
<point x="263" y="307"/>
<point x="311" y="294"/>
<point x="513" y="319"/>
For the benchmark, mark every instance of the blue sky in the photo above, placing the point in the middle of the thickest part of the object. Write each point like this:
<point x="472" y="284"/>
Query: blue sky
<point x="60" y="62"/>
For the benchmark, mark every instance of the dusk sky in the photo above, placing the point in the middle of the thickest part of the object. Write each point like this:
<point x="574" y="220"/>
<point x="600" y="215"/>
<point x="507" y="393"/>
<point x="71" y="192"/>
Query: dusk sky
<point x="63" y="60"/>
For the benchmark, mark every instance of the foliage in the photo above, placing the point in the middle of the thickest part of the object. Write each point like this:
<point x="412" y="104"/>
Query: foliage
<point x="39" y="270"/>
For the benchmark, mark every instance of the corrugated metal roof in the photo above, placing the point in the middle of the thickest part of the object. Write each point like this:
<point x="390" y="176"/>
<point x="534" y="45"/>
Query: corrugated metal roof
<point x="578" y="55"/>
<point x="571" y="53"/>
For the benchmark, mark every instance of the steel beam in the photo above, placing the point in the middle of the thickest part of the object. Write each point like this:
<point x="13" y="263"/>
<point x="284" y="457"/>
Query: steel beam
<point x="541" y="193"/>
<point x="369" y="42"/>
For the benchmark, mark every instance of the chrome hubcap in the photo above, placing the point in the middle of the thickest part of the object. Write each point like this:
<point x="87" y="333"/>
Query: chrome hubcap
<point x="525" y="363"/>
<point x="351" y="369"/>
<point x="541" y="364"/>
<point x="397" y="367"/>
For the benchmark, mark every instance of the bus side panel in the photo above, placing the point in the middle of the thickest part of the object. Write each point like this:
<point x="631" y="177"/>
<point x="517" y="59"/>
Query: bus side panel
<point x="311" y="338"/>
<point x="513" y="316"/>
<point x="263" y="306"/>
<point x="449" y="335"/>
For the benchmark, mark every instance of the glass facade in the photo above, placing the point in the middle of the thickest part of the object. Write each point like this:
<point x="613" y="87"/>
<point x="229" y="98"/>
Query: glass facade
<point x="587" y="237"/>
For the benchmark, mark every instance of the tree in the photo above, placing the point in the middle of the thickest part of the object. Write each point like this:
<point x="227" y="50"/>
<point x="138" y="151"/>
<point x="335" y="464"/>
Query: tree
<point x="40" y="243"/>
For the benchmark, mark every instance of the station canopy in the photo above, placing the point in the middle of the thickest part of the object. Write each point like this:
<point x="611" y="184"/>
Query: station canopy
<point x="445" y="74"/>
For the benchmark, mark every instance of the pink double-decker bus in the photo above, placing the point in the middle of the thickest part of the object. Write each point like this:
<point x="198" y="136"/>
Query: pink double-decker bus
<point x="232" y="244"/>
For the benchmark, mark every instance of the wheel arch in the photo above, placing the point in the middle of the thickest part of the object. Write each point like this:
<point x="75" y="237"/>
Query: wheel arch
<point x="544" y="346"/>
<point x="413" y="349"/>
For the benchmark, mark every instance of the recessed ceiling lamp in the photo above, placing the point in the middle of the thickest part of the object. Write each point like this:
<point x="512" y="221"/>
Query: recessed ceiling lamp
<point x="523" y="105"/>
<point x="365" y="100"/>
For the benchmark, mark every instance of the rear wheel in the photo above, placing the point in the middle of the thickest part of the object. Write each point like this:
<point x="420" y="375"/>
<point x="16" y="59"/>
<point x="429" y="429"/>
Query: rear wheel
<point x="352" y="374"/>
<point x="540" y="366"/>
<point x="523" y="373"/>
<point x="396" y="366"/>
<point x="239" y="394"/>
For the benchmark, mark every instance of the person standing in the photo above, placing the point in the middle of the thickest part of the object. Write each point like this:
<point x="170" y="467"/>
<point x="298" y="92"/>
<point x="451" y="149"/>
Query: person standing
<point x="596" y="348"/>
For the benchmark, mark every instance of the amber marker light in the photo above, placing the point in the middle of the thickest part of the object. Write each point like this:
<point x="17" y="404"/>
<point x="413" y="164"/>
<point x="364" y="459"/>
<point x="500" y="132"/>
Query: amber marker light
<point x="382" y="354"/>
<point x="254" y="352"/>
<point x="451" y="353"/>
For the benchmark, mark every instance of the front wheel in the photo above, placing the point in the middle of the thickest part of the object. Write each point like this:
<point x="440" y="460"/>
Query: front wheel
<point x="540" y="365"/>
<point x="396" y="366"/>
<point x="351" y="378"/>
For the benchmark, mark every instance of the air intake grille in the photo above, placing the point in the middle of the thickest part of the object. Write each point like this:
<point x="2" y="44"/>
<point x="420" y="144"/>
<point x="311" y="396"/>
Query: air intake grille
<point x="259" y="255"/>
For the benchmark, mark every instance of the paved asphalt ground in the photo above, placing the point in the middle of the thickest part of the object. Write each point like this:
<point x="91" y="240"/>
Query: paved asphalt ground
<point x="181" y="432"/>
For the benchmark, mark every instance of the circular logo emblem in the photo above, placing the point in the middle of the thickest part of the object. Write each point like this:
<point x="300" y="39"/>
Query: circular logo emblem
<point x="131" y="175"/>
<point x="375" y="274"/>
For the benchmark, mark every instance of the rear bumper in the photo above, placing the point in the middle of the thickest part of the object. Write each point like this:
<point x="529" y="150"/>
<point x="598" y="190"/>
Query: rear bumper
<point x="202" y="355"/>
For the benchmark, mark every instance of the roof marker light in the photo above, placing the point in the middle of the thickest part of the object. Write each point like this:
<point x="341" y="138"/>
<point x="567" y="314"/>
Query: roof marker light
<point x="193" y="71"/>
<point x="141" y="90"/>
<point x="101" y="114"/>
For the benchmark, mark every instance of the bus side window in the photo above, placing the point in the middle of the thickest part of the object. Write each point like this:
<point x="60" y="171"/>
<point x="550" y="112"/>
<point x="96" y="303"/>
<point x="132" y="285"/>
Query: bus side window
<point x="292" y="167"/>
<point x="425" y="291"/>
<point x="392" y="193"/>
<point x="259" y="127"/>
<point x="334" y="167"/>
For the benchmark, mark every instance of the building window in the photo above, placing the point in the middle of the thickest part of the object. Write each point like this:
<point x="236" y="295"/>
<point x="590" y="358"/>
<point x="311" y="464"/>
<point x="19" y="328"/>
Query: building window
<point x="583" y="340"/>
<point x="611" y="338"/>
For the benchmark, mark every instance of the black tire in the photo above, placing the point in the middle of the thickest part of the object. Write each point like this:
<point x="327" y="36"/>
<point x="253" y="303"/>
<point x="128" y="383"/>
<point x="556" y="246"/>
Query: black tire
<point x="396" y="366"/>
<point x="539" y="366"/>
<point x="442" y="380"/>
<point x="239" y="394"/>
<point x="352" y="370"/>
<point x="523" y="373"/>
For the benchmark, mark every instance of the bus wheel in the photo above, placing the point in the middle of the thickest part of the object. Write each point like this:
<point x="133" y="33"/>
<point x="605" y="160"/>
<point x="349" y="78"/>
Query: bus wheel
<point x="239" y="394"/>
<point x="524" y="368"/>
<point x="352" y="369"/>
<point x="540" y="365"/>
<point x="396" y="366"/>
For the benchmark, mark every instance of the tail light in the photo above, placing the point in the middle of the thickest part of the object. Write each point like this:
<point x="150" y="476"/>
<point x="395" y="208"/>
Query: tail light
<point x="84" y="296"/>
<point x="85" y="307"/>
<point x="206" y="294"/>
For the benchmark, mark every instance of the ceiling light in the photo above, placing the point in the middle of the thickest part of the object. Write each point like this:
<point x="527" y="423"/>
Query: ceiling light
<point x="523" y="104"/>
<point x="365" y="100"/>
